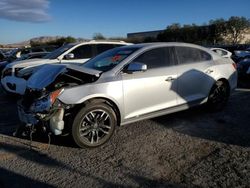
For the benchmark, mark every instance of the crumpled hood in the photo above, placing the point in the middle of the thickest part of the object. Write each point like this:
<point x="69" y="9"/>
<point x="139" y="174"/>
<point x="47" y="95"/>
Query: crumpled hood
<point x="27" y="63"/>
<point x="48" y="73"/>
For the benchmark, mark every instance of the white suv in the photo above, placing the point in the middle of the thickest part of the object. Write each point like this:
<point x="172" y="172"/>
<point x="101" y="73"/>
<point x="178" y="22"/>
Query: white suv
<point x="70" y="53"/>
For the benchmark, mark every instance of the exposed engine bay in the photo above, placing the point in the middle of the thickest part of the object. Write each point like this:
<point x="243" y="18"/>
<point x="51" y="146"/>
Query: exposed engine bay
<point x="40" y="107"/>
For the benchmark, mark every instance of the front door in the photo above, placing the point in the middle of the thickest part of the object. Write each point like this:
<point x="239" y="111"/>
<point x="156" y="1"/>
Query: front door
<point x="154" y="89"/>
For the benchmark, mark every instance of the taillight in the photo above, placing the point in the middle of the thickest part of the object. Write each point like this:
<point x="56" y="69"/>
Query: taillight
<point x="234" y="65"/>
<point x="54" y="95"/>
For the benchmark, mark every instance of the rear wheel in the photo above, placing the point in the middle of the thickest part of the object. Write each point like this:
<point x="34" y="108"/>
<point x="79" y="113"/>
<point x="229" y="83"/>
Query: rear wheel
<point x="218" y="96"/>
<point x="94" y="125"/>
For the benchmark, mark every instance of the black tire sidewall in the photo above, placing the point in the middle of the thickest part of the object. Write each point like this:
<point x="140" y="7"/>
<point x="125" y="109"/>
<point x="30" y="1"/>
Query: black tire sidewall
<point x="214" y="107"/>
<point x="78" y="119"/>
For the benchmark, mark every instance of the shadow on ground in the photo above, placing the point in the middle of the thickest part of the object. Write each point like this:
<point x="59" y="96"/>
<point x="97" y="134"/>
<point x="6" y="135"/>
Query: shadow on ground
<point x="230" y="126"/>
<point x="12" y="179"/>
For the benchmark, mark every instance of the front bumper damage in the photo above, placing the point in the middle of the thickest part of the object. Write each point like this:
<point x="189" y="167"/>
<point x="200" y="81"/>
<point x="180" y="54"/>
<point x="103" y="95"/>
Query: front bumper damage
<point x="43" y="113"/>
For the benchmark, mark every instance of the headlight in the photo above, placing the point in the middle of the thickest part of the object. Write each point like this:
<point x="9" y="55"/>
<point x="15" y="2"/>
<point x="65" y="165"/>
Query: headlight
<point x="53" y="96"/>
<point x="44" y="104"/>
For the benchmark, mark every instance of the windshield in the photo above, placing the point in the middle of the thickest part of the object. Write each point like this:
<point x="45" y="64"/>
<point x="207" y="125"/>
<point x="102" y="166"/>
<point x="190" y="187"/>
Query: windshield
<point x="109" y="59"/>
<point x="58" y="51"/>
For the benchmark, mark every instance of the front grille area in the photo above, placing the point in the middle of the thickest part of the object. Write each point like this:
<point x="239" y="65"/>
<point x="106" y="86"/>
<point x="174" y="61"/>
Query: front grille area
<point x="30" y="96"/>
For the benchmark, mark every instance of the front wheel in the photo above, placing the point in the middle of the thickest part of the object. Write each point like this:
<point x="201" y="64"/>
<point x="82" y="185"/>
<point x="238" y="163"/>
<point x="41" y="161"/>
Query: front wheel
<point x="94" y="125"/>
<point x="218" y="96"/>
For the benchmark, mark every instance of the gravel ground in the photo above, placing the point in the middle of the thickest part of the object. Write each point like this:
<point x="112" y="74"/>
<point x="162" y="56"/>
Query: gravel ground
<point x="192" y="148"/>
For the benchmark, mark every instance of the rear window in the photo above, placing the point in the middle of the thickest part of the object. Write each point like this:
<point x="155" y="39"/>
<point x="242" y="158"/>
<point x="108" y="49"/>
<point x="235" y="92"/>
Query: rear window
<point x="191" y="55"/>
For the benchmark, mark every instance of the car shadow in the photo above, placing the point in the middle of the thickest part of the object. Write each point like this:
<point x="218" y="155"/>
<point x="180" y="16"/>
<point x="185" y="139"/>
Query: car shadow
<point x="11" y="179"/>
<point x="229" y="126"/>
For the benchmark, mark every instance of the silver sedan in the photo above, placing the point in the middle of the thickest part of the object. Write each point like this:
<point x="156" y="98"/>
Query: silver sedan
<point x="124" y="85"/>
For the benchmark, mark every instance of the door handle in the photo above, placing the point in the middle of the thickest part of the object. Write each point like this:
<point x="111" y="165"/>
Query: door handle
<point x="170" y="79"/>
<point x="209" y="71"/>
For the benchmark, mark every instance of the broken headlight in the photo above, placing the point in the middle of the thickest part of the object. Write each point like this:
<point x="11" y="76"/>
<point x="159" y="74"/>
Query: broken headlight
<point x="45" y="103"/>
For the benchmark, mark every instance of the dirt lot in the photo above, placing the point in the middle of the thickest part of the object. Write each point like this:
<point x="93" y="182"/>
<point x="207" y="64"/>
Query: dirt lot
<point x="192" y="148"/>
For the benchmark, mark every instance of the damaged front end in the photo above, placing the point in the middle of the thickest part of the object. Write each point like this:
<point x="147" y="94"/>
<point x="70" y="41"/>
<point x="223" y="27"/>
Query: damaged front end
<point x="38" y="108"/>
<point x="40" y="105"/>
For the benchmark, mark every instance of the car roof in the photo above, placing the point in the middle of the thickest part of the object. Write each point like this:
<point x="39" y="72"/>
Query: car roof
<point x="99" y="42"/>
<point x="162" y="44"/>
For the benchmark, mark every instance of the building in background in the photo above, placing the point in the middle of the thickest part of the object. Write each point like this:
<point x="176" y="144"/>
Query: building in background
<point x="144" y="34"/>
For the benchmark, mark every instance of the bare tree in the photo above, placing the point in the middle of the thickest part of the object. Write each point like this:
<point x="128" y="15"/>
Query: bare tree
<point x="236" y="27"/>
<point x="98" y="36"/>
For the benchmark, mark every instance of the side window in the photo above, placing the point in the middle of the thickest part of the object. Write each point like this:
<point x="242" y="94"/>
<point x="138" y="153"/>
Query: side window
<point x="156" y="58"/>
<point x="82" y="52"/>
<point x="205" y="56"/>
<point x="118" y="45"/>
<point x="191" y="55"/>
<point x="103" y="47"/>
<point x="25" y="51"/>
<point x="38" y="50"/>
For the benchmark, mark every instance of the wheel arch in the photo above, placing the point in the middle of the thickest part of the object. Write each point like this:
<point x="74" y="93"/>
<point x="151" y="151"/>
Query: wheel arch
<point x="224" y="80"/>
<point x="105" y="100"/>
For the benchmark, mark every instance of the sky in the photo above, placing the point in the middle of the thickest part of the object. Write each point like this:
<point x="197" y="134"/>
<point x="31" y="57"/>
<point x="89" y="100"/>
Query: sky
<point x="21" y="20"/>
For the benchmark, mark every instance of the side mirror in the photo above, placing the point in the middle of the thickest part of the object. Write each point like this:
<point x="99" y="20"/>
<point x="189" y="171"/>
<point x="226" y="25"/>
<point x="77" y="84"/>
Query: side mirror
<point x="69" y="56"/>
<point x="135" y="67"/>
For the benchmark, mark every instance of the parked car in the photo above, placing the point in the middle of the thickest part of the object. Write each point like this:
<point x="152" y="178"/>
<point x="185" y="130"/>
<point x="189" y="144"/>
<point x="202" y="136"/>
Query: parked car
<point x="125" y="85"/>
<point x="242" y="53"/>
<point x="2" y="56"/>
<point x="239" y="55"/>
<point x="20" y="52"/>
<point x="70" y="53"/>
<point x="33" y="55"/>
<point x="222" y="52"/>
<point x="7" y="51"/>
<point x="243" y="68"/>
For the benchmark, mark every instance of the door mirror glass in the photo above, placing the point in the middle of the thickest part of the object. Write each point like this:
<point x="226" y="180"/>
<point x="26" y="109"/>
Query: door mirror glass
<point x="135" y="67"/>
<point x="69" y="56"/>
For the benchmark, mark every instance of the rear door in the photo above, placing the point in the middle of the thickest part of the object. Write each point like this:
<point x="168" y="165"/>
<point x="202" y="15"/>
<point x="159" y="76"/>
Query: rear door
<point x="154" y="89"/>
<point x="194" y="70"/>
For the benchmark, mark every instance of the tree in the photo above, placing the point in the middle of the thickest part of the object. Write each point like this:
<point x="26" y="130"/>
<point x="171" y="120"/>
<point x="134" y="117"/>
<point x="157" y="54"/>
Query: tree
<point x="58" y="42"/>
<point x="247" y="41"/>
<point x="236" y="27"/>
<point x="98" y="36"/>
<point x="218" y="30"/>
<point x="63" y="40"/>
<point x="187" y="33"/>
<point x="171" y="33"/>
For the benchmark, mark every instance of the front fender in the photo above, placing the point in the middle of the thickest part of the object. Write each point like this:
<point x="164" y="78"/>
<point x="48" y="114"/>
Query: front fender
<point x="77" y="95"/>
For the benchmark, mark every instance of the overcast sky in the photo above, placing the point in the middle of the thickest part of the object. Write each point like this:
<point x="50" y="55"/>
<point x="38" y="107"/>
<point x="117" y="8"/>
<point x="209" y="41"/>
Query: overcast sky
<point x="23" y="19"/>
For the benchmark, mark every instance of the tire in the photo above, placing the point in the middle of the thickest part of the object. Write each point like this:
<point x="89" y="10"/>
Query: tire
<point x="94" y="125"/>
<point x="218" y="96"/>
